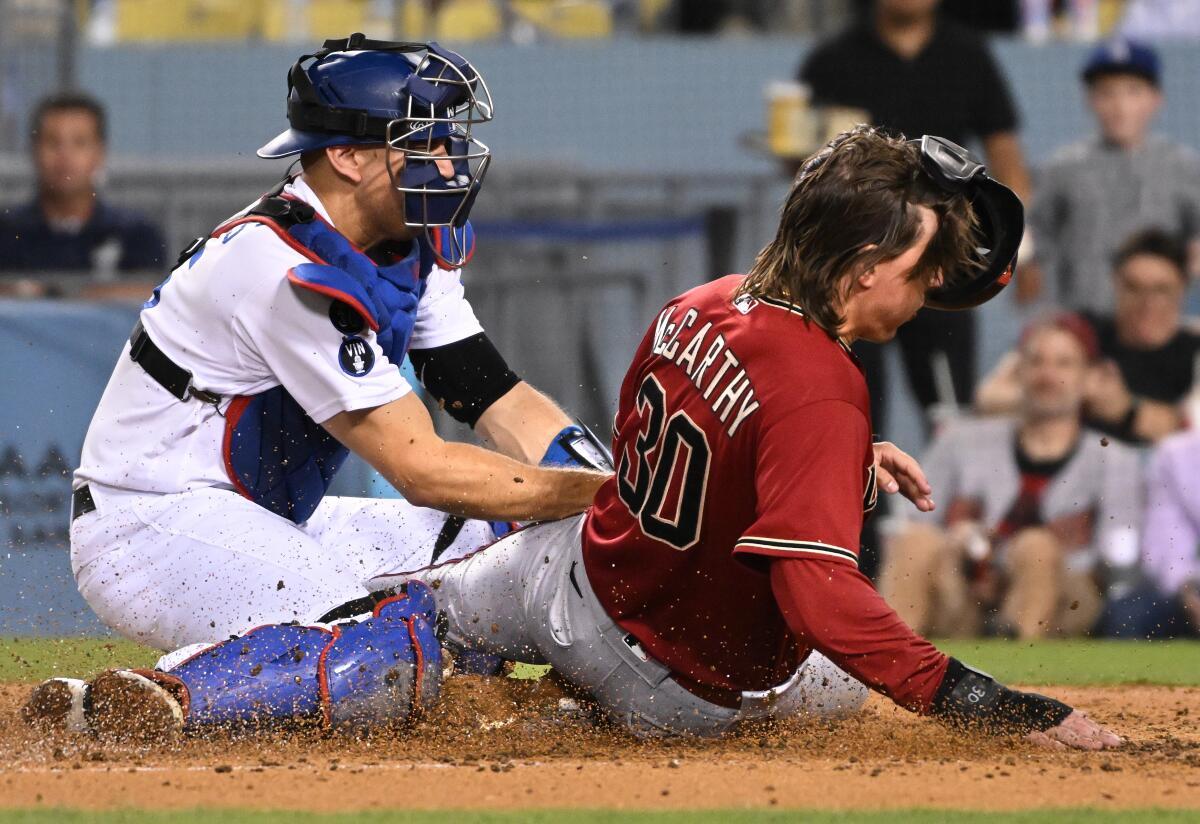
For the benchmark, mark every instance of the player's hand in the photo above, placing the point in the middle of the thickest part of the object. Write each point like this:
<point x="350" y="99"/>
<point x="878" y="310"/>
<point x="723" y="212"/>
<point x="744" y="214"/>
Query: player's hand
<point x="897" y="471"/>
<point x="1106" y="394"/>
<point x="1078" y="732"/>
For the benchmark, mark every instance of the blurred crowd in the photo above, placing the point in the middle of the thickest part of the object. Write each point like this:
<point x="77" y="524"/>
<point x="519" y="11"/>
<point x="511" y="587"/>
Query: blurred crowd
<point x="1065" y="502"/>
<point x="1067" y="478"/>
<point x="113" y="21"/>
<point x="1036" y="20"/>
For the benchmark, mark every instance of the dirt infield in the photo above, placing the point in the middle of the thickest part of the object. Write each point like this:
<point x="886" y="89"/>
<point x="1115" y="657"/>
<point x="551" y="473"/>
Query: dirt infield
<point x="498" y="743"/>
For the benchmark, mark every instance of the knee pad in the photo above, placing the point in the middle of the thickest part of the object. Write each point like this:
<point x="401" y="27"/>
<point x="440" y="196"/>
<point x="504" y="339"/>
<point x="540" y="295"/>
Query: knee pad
<point x="386" y="668"/>
<point x="381" y="667"/>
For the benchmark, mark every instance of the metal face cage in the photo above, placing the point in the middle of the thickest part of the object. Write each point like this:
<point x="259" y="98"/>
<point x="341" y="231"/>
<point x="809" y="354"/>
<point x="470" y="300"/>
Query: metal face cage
<point x="433" y="157"/>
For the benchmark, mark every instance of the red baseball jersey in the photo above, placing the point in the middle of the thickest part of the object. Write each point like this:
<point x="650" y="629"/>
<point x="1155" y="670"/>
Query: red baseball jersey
<point x="743" y="431"/>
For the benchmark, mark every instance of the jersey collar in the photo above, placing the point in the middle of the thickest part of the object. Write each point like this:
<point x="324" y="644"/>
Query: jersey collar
<point x="298" y="188"/>
<point x="796" y="310"/>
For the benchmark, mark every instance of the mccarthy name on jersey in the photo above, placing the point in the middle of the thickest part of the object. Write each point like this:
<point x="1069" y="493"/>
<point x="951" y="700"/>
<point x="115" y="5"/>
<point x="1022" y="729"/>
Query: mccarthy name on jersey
<point x="718" y="373"/>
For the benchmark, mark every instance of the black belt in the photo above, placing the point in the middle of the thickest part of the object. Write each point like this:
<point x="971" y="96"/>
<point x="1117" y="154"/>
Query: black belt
<point x="82" y="502"/>
<point x="170" y="375"/>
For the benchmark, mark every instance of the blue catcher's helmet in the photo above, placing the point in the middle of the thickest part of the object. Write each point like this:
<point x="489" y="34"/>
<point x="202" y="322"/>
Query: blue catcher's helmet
<point x="414" y="98"/>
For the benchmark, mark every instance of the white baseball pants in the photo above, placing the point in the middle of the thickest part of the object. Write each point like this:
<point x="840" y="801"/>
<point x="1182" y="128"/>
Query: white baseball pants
<point x="197" y="567"/>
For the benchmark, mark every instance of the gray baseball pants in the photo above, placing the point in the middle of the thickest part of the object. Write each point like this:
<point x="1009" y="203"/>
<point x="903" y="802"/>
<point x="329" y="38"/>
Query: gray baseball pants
<point x="527" y="598"/>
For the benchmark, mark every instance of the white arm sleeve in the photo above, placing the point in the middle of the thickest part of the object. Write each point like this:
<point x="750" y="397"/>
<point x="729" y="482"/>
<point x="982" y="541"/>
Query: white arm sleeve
<point x="287" y="328"/>
<point x="444" y="315"/>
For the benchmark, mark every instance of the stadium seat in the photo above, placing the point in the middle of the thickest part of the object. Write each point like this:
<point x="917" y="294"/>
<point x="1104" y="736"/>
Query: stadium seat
<point x="575" y="19"/>
<point x="148" y="20"/>
<point x="330" y="18"/>
<point x="415" y="20"/>
<point x="278" y="20"/>
<point x="468" y="20"/>
<point x="650" y="13"/>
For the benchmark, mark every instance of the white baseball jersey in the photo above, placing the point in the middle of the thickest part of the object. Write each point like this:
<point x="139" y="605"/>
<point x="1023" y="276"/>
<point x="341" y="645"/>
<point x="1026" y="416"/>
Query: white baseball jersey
<point x="240" y="327"/>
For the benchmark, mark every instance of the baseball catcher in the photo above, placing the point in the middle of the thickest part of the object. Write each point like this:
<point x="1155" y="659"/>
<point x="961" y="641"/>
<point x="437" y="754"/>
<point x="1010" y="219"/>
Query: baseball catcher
<point x="271" y="351"/>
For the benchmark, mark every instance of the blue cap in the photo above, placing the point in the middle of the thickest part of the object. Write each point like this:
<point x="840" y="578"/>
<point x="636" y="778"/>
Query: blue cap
<point x="1120" y="55"/>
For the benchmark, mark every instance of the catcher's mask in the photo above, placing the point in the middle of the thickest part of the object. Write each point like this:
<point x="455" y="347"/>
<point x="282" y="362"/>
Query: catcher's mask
<point x="1001" y="223"/>
<point x="414" y="98"/>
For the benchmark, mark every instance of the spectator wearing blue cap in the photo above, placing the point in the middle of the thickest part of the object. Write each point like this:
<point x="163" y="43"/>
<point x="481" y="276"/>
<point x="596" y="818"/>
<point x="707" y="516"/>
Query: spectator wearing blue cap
<point x="67" y="226"/>
<point x="1095" y="193"/>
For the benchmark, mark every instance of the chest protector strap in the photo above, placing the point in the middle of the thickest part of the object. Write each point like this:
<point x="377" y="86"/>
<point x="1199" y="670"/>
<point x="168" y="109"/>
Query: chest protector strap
<point x="273" y="452"/>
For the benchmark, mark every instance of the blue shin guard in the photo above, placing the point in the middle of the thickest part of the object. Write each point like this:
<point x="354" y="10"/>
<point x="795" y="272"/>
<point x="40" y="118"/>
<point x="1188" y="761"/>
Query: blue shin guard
<point x="383" y="667"/>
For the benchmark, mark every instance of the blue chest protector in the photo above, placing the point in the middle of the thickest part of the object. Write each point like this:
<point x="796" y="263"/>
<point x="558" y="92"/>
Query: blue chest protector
<point x="274" y="453"/>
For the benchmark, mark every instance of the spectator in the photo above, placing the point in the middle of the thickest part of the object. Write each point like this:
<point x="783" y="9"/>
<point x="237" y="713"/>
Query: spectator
<point x="1139" y="390"/>
<point x="67" y="226"/>
<point x="1037" y="507"/>
<point x="914" y="73"/>
<point x="1097" y="192"/>
<point x="1171" y="537"/>
<point x="1162" y="20"/>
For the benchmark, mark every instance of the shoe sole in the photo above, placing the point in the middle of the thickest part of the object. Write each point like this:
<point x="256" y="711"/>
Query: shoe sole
<point x="57" y="705"/>
<point x="126" y="707"/>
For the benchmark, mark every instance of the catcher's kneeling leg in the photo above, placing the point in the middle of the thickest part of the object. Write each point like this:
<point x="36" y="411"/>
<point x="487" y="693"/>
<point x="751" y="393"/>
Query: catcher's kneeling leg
<point x="377" y="668"/>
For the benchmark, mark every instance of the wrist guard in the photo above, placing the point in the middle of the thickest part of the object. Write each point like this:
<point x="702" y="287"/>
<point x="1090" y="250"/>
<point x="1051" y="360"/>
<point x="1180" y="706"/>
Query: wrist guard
<point x="577" y="446"/>
<point x="969" y="699"/>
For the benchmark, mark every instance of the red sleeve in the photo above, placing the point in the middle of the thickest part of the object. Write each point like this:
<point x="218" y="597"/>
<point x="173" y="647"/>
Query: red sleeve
<point x="813" y="471"/>
<point x="831" y="607"/>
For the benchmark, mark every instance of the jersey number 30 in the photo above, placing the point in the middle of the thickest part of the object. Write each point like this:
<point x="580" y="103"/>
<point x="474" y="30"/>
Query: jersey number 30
<point x="678" y="478"/>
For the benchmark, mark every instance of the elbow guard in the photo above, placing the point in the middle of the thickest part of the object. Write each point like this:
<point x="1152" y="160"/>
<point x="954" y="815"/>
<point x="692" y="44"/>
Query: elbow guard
<point x="576" y="445"/>
<point x="466" y="377"/>
<point x="972" y="700"/>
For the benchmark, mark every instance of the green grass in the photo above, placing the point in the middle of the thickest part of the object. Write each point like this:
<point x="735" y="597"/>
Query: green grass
<point x="34" y="659"/>
<point x="1062" y="816"/>
<point x="1017" y="662"/>
<point x="1082" y="663"/>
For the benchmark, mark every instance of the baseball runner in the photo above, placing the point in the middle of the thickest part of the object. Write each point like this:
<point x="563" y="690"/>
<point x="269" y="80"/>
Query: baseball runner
<point x="274" y="347"/>
<point x="715" y="578"/>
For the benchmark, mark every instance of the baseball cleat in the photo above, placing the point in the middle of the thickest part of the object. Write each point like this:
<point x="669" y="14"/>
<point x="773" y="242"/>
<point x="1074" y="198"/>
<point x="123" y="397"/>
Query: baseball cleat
<point x="57" y="705"/>
<point x="128" y="707"/>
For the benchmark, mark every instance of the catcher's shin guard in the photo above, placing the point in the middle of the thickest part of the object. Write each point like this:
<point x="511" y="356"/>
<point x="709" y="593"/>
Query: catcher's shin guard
<point x="383" y="667"/>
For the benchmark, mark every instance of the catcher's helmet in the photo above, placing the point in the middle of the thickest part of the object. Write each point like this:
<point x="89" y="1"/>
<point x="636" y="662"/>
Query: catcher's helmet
<point x="411" y="97"/>
<point x="1001" y="223"/>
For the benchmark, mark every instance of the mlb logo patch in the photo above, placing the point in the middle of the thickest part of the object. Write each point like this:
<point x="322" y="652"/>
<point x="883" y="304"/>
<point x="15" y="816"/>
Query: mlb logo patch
<point x="745" y="303"/>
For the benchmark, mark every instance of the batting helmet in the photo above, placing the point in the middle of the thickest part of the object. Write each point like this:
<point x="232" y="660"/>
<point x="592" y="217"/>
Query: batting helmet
<point x="414" y="98"/>
<point x="1001" y="223"/>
